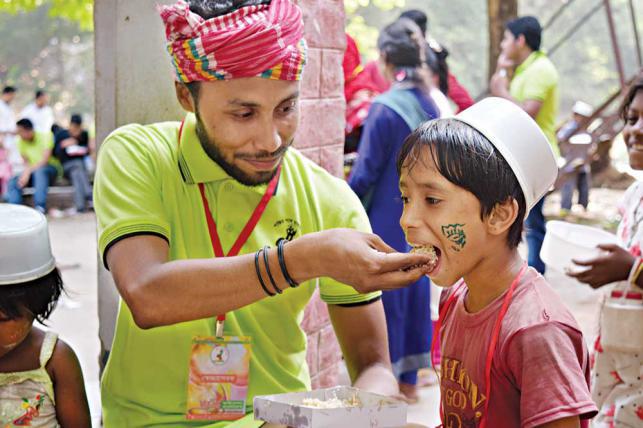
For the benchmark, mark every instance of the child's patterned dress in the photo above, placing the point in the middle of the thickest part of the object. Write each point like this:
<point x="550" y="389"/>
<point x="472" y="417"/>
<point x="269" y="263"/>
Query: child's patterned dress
<point x="617" y="385"/>
<point x="27" y="398"/>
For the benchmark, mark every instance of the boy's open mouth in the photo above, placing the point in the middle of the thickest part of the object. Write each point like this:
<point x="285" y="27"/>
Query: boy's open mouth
<point x="432" y="251"/>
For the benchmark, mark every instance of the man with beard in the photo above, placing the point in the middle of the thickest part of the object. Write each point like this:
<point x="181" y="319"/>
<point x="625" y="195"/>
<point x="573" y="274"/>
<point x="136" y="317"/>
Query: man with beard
<point x="187" y="213"/>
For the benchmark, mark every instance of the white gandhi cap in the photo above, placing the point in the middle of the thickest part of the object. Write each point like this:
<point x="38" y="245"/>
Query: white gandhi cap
<point x="519" y="140"/>
<point x="25" y="253"/>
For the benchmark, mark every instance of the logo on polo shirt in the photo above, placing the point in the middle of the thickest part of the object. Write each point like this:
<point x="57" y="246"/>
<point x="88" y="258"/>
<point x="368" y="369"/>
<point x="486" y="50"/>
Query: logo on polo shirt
<point x="286" y="229"/>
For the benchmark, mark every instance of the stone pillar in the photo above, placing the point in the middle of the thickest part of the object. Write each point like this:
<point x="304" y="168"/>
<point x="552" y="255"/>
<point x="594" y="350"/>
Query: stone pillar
<point x="134" y="84"/>
<point x="321" y="138"/>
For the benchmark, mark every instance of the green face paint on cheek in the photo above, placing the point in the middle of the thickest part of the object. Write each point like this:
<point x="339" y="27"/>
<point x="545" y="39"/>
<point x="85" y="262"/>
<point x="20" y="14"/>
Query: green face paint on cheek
<point x="455" y="234"/>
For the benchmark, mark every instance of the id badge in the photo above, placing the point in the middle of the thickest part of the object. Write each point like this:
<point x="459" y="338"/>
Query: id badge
<point x="218" y="381"/>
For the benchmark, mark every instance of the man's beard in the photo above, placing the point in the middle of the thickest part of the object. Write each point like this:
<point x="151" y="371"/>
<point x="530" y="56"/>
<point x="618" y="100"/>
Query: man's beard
<point x="211" y="149"/>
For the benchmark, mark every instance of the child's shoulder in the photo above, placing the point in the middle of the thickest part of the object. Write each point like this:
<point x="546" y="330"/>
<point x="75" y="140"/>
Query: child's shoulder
<point x="535" y="303"/>
<point x="63" y="360"/>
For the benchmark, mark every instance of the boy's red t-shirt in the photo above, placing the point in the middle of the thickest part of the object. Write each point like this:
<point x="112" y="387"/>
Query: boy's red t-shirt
<point x="540" y="370"/>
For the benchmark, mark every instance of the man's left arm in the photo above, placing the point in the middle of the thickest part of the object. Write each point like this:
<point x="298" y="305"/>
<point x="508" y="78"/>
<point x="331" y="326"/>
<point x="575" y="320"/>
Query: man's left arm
<point x="46" y="155"/>
<point x="30" y="168"/>
<point x="499" y="87"/>
<point x="361" y="331"/>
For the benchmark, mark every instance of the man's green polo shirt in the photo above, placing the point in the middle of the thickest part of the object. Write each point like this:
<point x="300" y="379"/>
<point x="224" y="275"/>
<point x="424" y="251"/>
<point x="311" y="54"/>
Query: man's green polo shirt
<point x="537" y="79"/>
<point x="146" y="184"/>
<point x="34" y="150"/>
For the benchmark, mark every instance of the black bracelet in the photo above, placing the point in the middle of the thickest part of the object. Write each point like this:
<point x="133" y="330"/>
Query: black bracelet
<point x="263" y="284"/>
<point x="272" y="280"/>
<point x="282" y="263"/>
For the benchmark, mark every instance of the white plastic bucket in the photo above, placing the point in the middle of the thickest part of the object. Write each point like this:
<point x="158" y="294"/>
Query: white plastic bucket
<point x="566" y="241"/>
<point x="621" y="319"/>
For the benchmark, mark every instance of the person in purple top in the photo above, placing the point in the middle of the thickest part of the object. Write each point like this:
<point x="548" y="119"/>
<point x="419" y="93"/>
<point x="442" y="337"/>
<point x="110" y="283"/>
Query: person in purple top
<point x="392" y="117"/>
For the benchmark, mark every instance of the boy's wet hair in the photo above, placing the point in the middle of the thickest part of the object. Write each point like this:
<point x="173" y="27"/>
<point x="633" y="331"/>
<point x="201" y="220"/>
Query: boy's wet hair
<point x="38" y="297"/>
<point x="467" y="159"/>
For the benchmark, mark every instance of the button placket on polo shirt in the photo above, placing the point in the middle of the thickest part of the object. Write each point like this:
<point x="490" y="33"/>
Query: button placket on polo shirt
<point x="229" y="207"/>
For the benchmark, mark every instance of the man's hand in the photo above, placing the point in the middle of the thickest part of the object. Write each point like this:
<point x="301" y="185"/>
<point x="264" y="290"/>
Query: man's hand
<point x="611" y="267"/>
<point x="499" y="84"/>
<point x="363" y="261"/>
<point x="379" y="380"/>
<point x="24" y="178"/>
<point x="504" y="63"/>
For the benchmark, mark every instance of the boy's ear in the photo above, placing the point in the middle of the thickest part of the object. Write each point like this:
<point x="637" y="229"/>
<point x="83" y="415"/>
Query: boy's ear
<point x="502" y="216"/>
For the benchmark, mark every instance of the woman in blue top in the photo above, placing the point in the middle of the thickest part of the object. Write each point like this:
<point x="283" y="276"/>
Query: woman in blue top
<point x="392" y="117"/>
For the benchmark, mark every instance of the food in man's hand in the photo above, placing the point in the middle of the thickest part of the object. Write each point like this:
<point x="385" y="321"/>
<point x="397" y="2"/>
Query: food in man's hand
<point x="428" y="250"/>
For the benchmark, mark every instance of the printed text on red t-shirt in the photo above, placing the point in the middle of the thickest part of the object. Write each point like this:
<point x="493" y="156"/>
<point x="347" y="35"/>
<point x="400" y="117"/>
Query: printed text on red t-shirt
<point x="460" y="396"/>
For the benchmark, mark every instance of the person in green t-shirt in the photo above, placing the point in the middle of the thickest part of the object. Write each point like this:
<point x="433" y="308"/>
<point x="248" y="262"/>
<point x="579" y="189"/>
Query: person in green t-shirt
<point x="534" y="87"/>
<point x="174" y="202"/>
<point x="40" y="167"/>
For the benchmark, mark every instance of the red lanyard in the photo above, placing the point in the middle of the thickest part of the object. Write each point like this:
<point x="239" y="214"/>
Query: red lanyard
<point x="494" y="338"/>
<point x="245" y="232"/>
<point x="248" y="228"/>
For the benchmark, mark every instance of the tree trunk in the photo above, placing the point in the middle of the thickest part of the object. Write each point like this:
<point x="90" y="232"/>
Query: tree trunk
<point x="500" y="11"/>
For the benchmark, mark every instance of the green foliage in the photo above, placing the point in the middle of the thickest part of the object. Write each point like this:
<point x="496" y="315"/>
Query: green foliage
<point x="48" y="53"/>
<point x="80" y="11"/>
<point x="364" y="21"/>
<point x="365" y="36"/>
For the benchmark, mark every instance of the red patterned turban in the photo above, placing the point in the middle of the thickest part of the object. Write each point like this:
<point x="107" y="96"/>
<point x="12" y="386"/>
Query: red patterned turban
<point x="263" y="40"/>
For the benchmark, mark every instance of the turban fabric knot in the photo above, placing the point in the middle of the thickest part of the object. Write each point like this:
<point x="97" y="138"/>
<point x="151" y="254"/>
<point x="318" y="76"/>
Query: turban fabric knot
<point x="264" y="40"/>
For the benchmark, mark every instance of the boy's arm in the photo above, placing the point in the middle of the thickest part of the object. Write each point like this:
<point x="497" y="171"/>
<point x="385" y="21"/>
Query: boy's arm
<point x="72" y="409"/>
<point x="573" y="422"/>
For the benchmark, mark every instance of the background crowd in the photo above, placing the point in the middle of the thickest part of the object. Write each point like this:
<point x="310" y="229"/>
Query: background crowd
<point x="35" y="152"/>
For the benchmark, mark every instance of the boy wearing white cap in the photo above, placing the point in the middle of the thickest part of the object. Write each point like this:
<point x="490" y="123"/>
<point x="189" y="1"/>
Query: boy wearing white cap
<point x="512" y="354"/>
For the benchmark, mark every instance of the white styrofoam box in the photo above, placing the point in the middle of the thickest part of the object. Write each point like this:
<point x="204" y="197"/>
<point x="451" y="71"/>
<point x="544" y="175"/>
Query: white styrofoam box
<point x="374" y="411"/>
